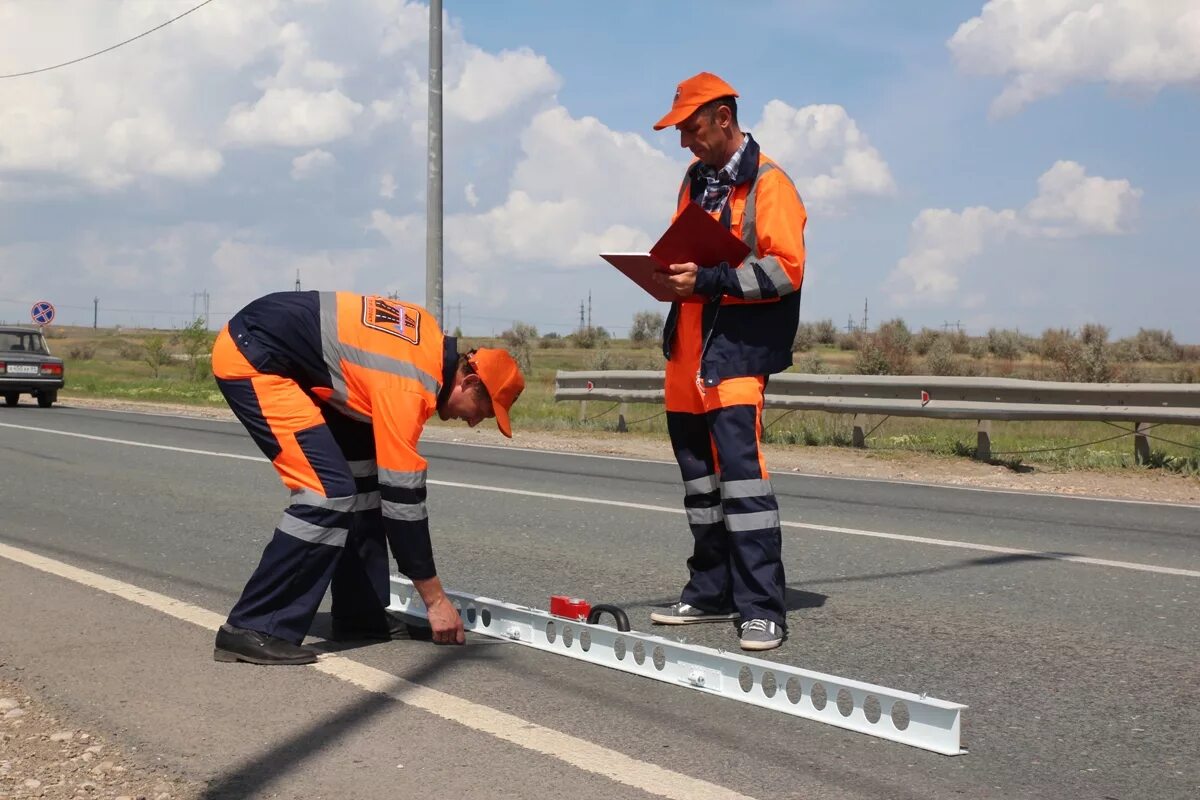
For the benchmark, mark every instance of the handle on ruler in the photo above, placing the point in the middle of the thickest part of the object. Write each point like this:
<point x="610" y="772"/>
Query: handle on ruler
<point x="618" y="614"/>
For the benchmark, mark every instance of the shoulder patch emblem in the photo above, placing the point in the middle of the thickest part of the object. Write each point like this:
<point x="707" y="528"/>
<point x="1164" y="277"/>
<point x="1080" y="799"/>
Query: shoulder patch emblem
<point x="390" y="317"/>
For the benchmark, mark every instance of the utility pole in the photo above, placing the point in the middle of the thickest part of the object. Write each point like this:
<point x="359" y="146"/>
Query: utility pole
<point x="864" y="325"/>
<point x="433" y="213"/>
<point x="297" y="280"/>
<point x="580" y="315"/>
<point x="95" y="312"/>
<point x="589" y="311"/>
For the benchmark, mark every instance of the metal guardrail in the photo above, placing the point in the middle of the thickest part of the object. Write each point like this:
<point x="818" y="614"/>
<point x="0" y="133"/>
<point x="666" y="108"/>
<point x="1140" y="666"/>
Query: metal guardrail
<point x="935" y="397"/>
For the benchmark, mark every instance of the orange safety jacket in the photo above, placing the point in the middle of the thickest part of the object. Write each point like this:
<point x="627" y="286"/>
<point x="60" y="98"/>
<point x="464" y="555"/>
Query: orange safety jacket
<point x="376" y="360"/>
<point x="751" y="310"/>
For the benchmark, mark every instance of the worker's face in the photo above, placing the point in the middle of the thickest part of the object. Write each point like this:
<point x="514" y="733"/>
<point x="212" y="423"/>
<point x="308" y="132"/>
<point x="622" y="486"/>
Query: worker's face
<point x="708" y="134"/>
<point x="468" y="401"/>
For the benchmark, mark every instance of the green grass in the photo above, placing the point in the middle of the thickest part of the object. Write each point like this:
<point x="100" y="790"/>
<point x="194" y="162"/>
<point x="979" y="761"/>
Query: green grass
<point x="110" y="372"/>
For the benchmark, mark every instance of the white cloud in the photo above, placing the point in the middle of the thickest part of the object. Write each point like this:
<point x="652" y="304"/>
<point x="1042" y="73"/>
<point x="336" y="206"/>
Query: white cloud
<point x="944" y="242"/>
<point x="472" y="197"/>
<point x="824" y="152"/>
<point x="387" y="185"/>
<point x="1044" y="46"/>
<point x="1070" y="203"/>
<point x="293" y="118"/>
<point x="491" y="85"/>
<point x="311" y="163"/>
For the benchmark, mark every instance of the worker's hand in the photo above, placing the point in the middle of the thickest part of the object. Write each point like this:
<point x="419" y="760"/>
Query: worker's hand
<point x="445" y="621"/>
<point x="681" y="278"/>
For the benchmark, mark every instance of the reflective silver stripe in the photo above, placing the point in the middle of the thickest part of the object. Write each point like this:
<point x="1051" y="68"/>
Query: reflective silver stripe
<point x="755" y="521"/>
<point x="363" y="469"/>
<point x="331" y="350"/>
<point x="313" y="534"/>
<point x="703" y="485"/>
<point x="776" y="274"/>
<point x="366" y="501"/>
<point x="754" y="487"/>
<point x="403" y="480"/>
<point x="705" y="516"/>
<point x="392" y="366"/>
<point x="307" y="497"/>
<point x="406" y="512"/>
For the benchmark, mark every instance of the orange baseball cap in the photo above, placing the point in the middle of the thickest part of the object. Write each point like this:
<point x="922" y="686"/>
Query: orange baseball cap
<point x="503" y="380"/>
<point x="693" y="93"/>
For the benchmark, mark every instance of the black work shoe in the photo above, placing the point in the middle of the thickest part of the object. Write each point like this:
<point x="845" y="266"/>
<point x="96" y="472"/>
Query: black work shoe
<point x="255" y="647"/>
<point x="397" y="628"/>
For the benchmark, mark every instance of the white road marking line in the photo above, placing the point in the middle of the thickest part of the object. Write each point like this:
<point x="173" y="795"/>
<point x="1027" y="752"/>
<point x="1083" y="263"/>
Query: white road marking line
<point x="899" y="537"/>
<point x="579" y="753"/>
<point x="446" y="437"/>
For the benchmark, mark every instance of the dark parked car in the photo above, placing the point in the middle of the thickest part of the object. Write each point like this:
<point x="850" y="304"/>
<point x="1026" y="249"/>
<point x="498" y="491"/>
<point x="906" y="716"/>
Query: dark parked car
<point x="26" y="367"/>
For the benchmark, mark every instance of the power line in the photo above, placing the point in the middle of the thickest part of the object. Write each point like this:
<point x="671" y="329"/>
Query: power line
<point x="107" y="49"/>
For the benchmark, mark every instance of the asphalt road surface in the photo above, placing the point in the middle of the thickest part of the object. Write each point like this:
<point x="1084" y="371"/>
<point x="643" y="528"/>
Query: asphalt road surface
<point x="1070" y="628"/>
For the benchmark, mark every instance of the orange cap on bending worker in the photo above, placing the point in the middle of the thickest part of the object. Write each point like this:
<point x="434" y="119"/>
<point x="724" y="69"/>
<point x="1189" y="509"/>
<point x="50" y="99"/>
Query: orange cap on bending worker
<point x="503" y="380"/>
<point x="693" y="93"/>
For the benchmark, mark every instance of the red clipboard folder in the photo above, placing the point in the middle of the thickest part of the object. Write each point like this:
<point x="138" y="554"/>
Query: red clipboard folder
<point x="694" y="236"/>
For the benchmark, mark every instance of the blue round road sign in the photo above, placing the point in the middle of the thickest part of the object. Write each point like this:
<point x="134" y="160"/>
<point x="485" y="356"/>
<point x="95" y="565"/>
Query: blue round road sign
<point x="42" y="312"/>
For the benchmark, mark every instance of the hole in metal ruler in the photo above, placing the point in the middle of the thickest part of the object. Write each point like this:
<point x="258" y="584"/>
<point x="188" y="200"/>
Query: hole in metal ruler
<point x="568" y="635"/>
<point x="585" y="640"/>
<point x="470" y="615"/>
<point x="551" y="632"/>
<point x="639" y="653"/>
<point x="485" y="617"/>
<point x="845" y="702"/>
<point x="872" y="708"/>
<point x="619" y="648"/>
<point x="660" y="657"/>
<point x="769" y="684"/>
<point x="793" y="689"/>
<point x="900" y="715"/>
<point x="818" y="696"/>
<point x="746" y="678"/>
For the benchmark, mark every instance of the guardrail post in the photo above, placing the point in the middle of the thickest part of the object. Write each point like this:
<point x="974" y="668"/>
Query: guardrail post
<point x="858" y="438"/>
<point x="621" y="426"/>
<point x="983" y="440"/>
<point x="582" y="410"/>
<point x="1141" y="443"/>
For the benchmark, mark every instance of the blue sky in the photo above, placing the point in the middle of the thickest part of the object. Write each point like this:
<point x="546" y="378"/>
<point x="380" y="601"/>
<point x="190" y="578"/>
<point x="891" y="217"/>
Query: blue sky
<point x="1009" y="164"/>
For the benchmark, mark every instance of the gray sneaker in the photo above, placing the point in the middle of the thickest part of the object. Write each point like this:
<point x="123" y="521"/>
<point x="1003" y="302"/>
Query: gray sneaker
<point x="683" y="614"/>
<point x="760" y="634"/>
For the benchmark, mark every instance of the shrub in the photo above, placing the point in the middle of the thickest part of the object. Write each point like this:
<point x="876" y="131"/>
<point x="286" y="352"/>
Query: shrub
<point x="587" y="338"/>
<point x="895" y="340"/>
<point x="1004" y="344"/>
<point x="1156" y="345"/>
<point x="647" y="327"/>
<point x="960" y="343"/>
<point x="82" y="352"/>
<point x="806" y="337"/>
<point x="552" y="340"/>
<point x="977" y="348"/>
<point x="925" y="339"/>
<point x="154" y="353"/>
<point x="826" y="331"/>
<point x="197" y="342"/>
<point x="849" y="341"/>
<point x="940" y="360"/>
<point x="870" y="359"/>
<point x="519" y="341"/>
<point x="812" y="365"/>
<point x="1055" y="344"/>
<point x="130" y="351"/>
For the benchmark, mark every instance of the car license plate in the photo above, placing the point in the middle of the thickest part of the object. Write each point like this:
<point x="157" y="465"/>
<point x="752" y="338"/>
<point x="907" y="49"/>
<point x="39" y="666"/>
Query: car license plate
<point x="22" y="369"/>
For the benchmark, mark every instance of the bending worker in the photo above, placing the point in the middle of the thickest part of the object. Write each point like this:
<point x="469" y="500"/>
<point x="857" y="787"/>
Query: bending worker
<point x="731" y="328"/>
<point x="335" y="388"/>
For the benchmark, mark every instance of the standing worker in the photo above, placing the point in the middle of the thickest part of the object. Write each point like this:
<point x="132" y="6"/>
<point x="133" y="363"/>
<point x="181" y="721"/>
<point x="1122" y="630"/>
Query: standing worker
<point x="335" y="388"/>
<point x="731" y="328"/>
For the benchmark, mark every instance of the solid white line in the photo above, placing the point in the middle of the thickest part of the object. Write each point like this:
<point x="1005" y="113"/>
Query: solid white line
<point x="437" y="438"/>
<point x="579" y="753"/>
<point x="899" y="537"/>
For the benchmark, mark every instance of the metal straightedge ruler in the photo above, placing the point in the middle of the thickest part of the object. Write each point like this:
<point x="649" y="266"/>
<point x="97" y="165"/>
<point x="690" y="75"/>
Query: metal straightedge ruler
<point x="904" y="717"/>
